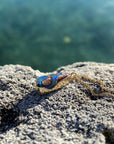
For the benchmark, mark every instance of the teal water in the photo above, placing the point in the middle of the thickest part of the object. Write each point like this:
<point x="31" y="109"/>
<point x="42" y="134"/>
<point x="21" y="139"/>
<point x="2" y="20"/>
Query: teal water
<point x="46" y="34"/>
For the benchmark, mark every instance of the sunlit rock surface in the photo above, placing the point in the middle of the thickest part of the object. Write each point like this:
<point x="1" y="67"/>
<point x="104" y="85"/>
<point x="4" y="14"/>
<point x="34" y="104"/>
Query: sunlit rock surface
<point x="70" y="115"/>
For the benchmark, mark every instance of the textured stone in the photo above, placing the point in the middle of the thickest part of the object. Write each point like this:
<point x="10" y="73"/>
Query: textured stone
<point x="68" y="116"/>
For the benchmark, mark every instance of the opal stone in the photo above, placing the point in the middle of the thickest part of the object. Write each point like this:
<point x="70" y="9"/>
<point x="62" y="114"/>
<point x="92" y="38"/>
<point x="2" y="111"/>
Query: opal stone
<point x="50" y="81"/>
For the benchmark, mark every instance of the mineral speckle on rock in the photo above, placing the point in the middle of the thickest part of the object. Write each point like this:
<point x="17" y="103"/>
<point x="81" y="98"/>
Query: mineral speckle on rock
<point x="67" y="116"/>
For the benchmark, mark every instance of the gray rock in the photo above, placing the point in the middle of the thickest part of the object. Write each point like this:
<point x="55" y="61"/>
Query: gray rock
<point x="70" y="115"/>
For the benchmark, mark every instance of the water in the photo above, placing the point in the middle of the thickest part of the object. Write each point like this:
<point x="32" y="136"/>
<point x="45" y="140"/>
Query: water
<point x="46" y="34"/>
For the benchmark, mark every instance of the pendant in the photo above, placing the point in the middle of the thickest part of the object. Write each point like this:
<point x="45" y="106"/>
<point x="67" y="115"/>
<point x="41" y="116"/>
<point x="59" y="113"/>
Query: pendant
<point x="48" y="83"/>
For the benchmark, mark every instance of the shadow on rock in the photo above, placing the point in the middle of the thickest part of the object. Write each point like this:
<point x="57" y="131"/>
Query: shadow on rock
<point x="11" y="116"/>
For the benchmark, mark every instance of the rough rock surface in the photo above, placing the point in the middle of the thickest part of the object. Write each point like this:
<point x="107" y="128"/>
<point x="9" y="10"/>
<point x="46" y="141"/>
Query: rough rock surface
<point x="68" y="116"/>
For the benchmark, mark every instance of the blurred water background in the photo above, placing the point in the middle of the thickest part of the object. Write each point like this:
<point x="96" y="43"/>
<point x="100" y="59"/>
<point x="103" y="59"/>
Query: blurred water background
<point x="46" y="34"/>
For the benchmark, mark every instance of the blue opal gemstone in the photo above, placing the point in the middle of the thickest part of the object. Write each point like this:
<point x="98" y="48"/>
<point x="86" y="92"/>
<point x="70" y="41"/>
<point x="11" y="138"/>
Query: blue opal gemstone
<point x="49" y="81"/>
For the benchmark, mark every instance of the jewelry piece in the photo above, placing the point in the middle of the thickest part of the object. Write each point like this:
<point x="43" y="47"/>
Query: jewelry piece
<point x="52" y="82"/>
<point x="48" y="83"/>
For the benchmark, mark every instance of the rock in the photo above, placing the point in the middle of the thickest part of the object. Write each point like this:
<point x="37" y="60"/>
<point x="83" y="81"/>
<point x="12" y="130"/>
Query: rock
<point x="68" y="116"/>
